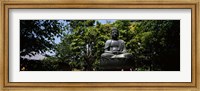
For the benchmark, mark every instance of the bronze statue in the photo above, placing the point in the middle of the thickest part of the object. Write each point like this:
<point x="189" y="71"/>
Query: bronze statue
<point x="115" y="48"/>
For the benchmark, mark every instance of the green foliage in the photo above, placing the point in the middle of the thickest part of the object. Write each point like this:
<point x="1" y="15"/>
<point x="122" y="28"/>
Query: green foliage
<point x="158" y="44"/>
<point x="155" y="44"/>
<point x="83" y="46"/>
<point x="37" y="36"/>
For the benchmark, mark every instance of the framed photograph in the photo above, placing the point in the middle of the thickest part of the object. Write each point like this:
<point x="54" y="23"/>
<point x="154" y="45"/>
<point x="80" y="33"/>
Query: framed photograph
<point x="100" y="45"/>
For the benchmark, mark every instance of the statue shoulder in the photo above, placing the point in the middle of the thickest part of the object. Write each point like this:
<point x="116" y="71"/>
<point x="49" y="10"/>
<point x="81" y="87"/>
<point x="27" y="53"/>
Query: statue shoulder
<point x="122" y="41"/>
<point x="108" y="41"/>
<point x="107" y="44"/>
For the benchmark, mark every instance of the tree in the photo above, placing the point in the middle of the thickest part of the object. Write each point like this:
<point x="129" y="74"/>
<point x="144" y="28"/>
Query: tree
<point x="82" y="47"/>
<point x="37" y="36"/>
<point x="155" y="44"/>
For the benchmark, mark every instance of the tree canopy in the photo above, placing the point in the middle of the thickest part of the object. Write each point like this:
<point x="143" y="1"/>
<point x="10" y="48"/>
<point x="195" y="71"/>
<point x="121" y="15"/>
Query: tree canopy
<point x="37" y="36"/>
<point x="155" y="44"/>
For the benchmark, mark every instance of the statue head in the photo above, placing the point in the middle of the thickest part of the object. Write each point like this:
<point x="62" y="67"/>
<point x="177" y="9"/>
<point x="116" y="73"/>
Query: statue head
<point x="114" y="33"/>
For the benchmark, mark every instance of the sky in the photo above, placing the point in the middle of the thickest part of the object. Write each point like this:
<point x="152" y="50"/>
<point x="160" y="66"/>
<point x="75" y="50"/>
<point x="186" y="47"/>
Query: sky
<point x="57" y="41"/>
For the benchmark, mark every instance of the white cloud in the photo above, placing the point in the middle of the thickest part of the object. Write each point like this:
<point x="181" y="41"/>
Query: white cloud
<point x="36" y="57"/>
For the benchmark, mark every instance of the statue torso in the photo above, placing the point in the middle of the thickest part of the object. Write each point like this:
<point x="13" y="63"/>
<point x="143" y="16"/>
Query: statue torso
<point x="115" y="45"/>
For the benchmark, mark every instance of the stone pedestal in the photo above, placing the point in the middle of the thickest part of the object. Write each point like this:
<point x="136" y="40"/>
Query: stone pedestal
<point x="116" y="64"/>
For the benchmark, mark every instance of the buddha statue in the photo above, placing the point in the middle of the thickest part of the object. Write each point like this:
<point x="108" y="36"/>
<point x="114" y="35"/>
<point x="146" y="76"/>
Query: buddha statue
<point x="115" y="48"/>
